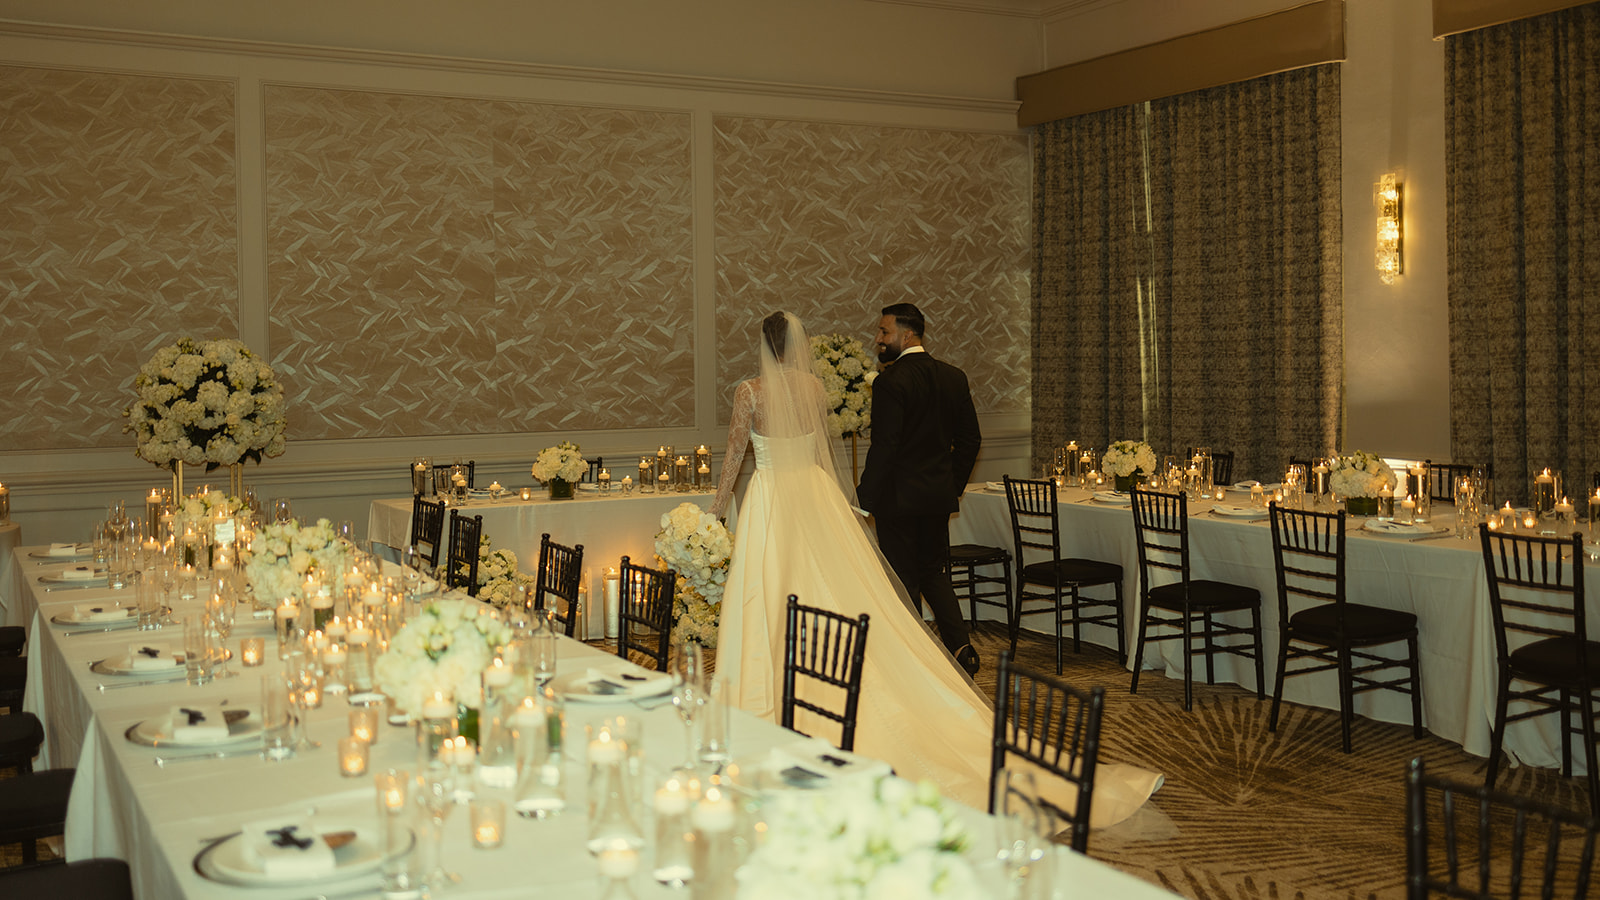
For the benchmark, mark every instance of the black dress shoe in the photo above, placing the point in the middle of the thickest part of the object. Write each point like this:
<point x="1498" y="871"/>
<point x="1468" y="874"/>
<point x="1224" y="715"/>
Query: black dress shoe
<point x="967" y="658"/>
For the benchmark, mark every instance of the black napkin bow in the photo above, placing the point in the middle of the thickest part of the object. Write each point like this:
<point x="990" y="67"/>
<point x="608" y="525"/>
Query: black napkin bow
<point x="151" y="652"/>
<point x="284" y="837"/>
<point x="195" y="715"/>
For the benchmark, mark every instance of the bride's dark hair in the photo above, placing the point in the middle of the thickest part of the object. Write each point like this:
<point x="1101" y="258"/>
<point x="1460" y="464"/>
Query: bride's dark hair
<point x="775" y="328"/>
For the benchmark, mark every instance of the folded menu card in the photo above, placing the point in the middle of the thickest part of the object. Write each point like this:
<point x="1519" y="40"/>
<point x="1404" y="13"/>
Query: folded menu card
<point x="287" y="848"/>
<point x="77" y="573"/>
<point x="103" y="613"/>
<point x="62" y="550"/>
<point x="196" y="723"/>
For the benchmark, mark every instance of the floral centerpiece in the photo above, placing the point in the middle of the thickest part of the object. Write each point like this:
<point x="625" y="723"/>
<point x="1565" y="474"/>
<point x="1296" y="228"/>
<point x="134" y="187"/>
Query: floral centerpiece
<point x="199" y="511"/>
<point x="560" y="467"/>
<point x="443" y="649"/>
<point x="695" y="545"/>
<point x="284" y="553"/>
<point x="894" y="840"/>
<point x="206" y="402"/>
<point x="1358" y="477"/>
<point x="847" y="372"/>
<point x="1130" y="462"/>
<point x="500" y="583"/>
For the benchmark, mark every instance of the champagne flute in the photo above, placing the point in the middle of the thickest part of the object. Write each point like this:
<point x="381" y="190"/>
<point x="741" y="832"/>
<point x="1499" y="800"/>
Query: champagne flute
<point x="688" y="691"/>
<point x="219" y="609"/>
<point x="438" y="784"/>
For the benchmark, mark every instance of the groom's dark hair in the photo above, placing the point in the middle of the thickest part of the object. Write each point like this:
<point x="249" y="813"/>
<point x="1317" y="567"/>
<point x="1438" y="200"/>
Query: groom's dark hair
<point x="776" y="329"/>
<point x="906" y="315"/>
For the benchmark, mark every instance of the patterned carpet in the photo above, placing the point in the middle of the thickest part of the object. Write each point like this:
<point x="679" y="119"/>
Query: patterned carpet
<point x="1246" y="813"/>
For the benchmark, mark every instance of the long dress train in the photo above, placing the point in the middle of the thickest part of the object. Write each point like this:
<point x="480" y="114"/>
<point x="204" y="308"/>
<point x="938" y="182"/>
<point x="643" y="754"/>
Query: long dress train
<point x="918" y="710"/>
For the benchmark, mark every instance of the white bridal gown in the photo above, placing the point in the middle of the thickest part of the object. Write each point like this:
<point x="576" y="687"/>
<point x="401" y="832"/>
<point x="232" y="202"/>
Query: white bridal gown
<point x="918" y="711"/>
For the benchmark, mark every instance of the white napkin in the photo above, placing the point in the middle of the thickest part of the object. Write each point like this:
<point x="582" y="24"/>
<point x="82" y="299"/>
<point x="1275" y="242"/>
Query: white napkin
<point x="1397" y="528"/>
<point x="99" y="613"/>
<point x="821" y="758"/>
<point x="62" y="550"/>
<point x="1112" y="497"/>
<point x="78" y="573"/>
<point x="287" y="848"/>
<point x="140" y="661"/>
<point x="206" y="723"/>
<point x="648" y="685"/>
<point x="1224" y="509"/>
<point x="995" y="485"/>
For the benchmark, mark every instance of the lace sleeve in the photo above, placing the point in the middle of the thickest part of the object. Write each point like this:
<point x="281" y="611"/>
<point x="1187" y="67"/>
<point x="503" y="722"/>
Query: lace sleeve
<point x="744" y="405"/>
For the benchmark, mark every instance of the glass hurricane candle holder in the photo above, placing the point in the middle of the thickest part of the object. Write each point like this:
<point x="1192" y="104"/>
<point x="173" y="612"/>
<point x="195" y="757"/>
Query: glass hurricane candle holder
<point x="352" y="757"/>
<point x="488" y="820"/>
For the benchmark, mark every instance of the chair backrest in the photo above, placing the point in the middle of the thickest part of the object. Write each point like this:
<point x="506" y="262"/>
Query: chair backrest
<point x="1161" y="530"/>
<point x="595" y="465"/>
<point x="1056" y="727"/>
<point x="461" y="571"/>
<point x="1442" y="479"/>
<point x="829" y="648"/>
<point x="560" y="574"/>
<point x="442" y="472"/>
<point x="427" y="528"/>
<point x="1492" y="846"/>
<point x="1035" y="523"/>
<point x="644" y="617"/>
<point x="1536" y="589"/>
<point x="1221" y="465"/>
<point x="1308" y="552"/>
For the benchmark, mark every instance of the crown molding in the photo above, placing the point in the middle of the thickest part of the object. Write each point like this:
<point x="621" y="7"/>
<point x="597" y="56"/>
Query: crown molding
<point x="1026" y="9"/>
<point x="467" y="65"/>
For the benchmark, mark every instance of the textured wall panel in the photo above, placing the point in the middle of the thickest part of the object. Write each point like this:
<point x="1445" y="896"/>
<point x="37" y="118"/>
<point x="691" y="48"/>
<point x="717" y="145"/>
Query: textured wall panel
<point x="118" y="235"/>
<point x="439" y="265"/>
<point x="834" y="222"/>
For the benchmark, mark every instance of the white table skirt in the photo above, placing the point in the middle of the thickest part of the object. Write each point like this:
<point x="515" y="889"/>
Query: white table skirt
<point x="1441" y="581"/>
<point x="609" y="526"/>
<point x="124" y="806"/>
<point x="13" y="583"/>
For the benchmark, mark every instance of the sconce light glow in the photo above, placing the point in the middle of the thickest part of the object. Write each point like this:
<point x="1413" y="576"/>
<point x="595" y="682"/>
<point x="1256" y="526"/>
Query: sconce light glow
<point x="1386" y="197"/>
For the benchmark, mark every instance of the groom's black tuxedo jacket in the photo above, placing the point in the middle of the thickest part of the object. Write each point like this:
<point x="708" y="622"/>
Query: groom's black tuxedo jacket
<point x="925" y="439"/>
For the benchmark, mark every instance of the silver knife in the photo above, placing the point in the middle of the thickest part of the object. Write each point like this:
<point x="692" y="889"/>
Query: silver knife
<point x="100" y="630"/>
<point x="69" y="587"/>
<point x="162" y="761"/>
<point x="1430" y="537"/>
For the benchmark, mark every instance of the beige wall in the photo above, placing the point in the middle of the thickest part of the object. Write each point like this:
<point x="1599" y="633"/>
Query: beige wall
<point x="480" y="257"/>
<point x="1396" y="347"/>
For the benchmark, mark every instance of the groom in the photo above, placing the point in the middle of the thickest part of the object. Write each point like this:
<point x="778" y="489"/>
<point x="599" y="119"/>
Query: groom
<point x="925" y="440"/>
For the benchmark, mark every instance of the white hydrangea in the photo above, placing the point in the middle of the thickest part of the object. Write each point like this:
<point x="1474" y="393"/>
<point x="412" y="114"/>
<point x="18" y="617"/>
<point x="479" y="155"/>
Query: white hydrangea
<point x="697" y="546"/>
<point x="1123" y="458"/>
<point x="206" y="402"/>
<point x="1360" y="474"/>
<point x="564" y="461"/>
<point x="445" y="648"/>
<point x="847" y="372"/>
<point x="284" y="552"/>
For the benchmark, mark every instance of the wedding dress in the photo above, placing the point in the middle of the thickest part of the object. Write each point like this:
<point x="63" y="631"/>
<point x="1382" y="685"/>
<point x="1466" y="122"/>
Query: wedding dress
<point x="798" y="533"/>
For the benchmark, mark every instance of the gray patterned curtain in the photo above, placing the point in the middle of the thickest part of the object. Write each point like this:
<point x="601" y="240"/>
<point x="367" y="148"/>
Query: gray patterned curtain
<point x="1187" y="282"/>
<point x="1522" y="152"/>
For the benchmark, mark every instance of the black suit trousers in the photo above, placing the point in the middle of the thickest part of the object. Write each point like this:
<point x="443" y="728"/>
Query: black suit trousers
<point x="916" y="547"/>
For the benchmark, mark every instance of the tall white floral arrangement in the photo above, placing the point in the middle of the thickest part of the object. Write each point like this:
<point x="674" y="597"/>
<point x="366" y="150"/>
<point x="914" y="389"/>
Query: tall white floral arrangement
<point x="892" y="840"/>
<point x="1123" y="458"/>
<point x="285" y="552"/>
<point x="564" y="461"/>
<point x="444" y="648"/>
<point x="1360" y="474"/>
<point x="206" y="402"/>
<point x="847" y="371"/>
<point x="500" y="583"/>
<point x="695" y="545"/>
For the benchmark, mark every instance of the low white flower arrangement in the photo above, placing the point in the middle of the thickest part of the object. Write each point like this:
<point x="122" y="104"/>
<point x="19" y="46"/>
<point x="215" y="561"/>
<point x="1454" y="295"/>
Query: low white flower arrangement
<point x="206" y="402"/>
<point x="1124" y="458"/>
<point x="564" y="461"/>
<point x="847" y="371"/>
<point x="500" y="583"/>
<point x="200" y="508"/>
<point x="1360" y="474"/>
<point x="697" y="546"/>
<point x="285" y="552"/>
<point x="896" y="840"/>
<point x="443" y="649"/>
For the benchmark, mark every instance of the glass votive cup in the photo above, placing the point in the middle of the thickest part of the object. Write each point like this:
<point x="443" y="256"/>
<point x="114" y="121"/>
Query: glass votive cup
<point x="364" y="724"/>
<point x="527" y="493"/>
<point x="488" y="818"/>
<point x="352" y="757"/>
<point x="391" y="785"/>
<point x="252" y="652"/>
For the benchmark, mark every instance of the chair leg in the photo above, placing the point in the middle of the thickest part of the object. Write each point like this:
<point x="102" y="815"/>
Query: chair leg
<point x="1077" y="612"/>
<point x="1566" y="733"/>
<point x="1138" y="650"/>
<point x="1416" y="688"/>
<point x="1499" y="733"/>
<point x="1589" y="755"/>
<point x="1277" y="690"/>
<point x="1347" y="697"/>
<point x="1013" y="614"/>
<point x="1211" y="651"/>
<point x="1261" y="653"/>
<point x="1188" y="660"/>
<point x="1122" y="651"/>
<point x="1057" y="617"/>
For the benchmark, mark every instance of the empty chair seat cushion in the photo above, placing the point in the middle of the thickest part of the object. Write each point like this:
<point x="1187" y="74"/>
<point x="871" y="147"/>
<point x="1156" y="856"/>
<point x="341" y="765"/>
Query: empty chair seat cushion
<point x="1360" y="621"/>
<point x="1555" y="660"/>
<point x="36" y="800"/>
<point x="1070" y="571"/>
<point x="20" y="736"/>
<point x="12" y="639"/>
<point x="1214" y="594"/>
<point x="88" y="879"/>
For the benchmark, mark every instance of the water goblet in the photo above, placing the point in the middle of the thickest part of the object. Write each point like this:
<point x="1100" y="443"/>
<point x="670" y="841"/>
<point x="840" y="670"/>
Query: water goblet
<point x="437" y="785"/>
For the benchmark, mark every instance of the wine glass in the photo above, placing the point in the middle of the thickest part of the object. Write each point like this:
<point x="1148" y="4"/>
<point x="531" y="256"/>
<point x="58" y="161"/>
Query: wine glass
<point x="282" y="510"/>
<point x="543" y="636"/>
<point x="219" y="609"/>
<point x="688" y="690"/>
<point x="438" y="790"/>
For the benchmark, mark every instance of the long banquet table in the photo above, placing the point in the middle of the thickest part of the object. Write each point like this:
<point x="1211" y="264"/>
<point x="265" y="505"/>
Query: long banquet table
<point x="609" y="526"/>
<point x="159" y="818"/>
<point x="1441" y="580"/>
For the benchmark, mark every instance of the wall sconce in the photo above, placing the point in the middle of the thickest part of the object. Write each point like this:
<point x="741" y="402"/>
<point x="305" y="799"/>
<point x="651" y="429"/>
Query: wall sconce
<point x="1386" y="197"/>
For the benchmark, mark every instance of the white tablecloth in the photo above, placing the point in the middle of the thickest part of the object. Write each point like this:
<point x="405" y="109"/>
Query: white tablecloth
<point x="124" y="806"/>
<point x="1441" y="581"/>
<point x="609" y="526"/>
<point x="13" y="585"/>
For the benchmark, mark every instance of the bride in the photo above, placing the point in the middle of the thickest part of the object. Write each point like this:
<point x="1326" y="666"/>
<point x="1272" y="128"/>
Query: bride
<point x="799" y="533"/>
